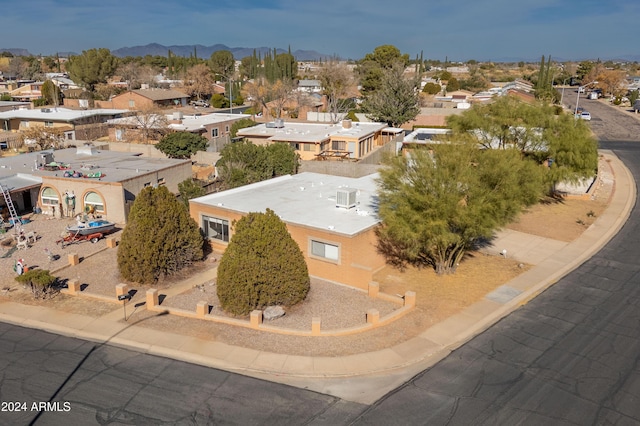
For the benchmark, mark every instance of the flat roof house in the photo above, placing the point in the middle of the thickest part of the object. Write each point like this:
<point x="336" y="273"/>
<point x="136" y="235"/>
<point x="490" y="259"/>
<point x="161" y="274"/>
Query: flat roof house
<point x="332" y="218"/>
<point x="104" y="181"/>
<point x="319" y="141"/>
<point x="65" y="118"/>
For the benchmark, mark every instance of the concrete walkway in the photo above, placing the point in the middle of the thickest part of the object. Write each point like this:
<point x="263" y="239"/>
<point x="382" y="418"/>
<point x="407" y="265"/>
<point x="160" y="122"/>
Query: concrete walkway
<point x="363" y="377"/>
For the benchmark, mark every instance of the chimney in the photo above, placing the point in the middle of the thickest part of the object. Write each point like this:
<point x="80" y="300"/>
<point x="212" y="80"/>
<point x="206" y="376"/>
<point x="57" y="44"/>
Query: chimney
<point x="346" y="124"/>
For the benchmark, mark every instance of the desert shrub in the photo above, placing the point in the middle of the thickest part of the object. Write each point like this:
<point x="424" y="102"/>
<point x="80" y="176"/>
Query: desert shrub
<point x="40" y="281"/>
<point x="160" y="237"/>
<point x="262" y="266"/>
<point x="181" y="144"/>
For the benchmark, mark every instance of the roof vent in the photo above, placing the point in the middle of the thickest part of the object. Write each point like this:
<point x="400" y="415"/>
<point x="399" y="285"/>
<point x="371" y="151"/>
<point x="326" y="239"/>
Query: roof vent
<point x="46" y="110"/>
<point x="346" y="198"/>
<point x="278" y="123"/>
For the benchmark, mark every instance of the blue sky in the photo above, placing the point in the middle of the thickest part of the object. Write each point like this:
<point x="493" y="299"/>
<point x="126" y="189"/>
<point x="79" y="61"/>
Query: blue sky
<point x="462" y="30"/>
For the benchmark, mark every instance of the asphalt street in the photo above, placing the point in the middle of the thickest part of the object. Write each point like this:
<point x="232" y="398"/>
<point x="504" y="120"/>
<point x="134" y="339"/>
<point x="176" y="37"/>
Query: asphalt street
<point x="569" y="357"/>
<point x="91" y="383"/>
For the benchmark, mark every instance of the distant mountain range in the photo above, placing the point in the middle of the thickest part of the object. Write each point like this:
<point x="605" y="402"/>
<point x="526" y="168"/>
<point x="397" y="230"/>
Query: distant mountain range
<point x="155" y="49"/>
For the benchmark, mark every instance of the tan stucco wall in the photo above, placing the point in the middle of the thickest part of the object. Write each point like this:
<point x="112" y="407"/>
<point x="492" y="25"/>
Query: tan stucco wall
<point x="359" y="258"/>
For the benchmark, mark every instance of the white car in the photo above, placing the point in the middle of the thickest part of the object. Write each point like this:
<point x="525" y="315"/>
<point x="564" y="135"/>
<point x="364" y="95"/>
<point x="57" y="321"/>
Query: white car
<point x="581" y="89"/>
<point x="585" y="115"/>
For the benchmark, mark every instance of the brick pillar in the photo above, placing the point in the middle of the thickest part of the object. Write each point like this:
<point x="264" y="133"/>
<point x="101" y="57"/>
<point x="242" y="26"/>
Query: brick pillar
<point x="121" y="289"/>
<point x="152" y="298"/>
<point x="315" y="326"/>
<point x="410" y="299"/>
<point x="202" y="309"/>
<point x="111" y="242"/>
<point x="373" y="316"/>
<point x="73" y="286"/>
<point x="374" y="289"/>
<point x="255" y="318"/>
<point x="73" y="259"/>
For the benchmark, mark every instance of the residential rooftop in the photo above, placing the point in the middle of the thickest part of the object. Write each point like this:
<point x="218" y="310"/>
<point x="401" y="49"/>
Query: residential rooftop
<point x="306" y="199"/>
<point x="57" y="114"/>
<point x="113" y="166"/>
<point x="310" y="132"/>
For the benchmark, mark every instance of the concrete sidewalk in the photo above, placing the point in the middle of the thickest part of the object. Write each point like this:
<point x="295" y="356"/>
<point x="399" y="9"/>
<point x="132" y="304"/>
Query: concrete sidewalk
<point x="363" y="377"/>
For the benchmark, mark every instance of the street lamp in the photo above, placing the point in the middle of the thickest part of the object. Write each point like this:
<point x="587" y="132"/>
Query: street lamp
<point x="564" y="83"/>
<point x="578" y="97"/>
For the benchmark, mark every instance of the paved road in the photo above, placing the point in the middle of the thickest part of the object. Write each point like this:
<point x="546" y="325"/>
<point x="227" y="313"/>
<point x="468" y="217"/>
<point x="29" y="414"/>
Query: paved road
<point x="569" y="357"/>
<point x="101" y="384"/>
<point x="609" y="123"/>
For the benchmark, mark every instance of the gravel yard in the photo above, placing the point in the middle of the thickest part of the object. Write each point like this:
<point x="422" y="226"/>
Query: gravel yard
<point x="338" y="306"/>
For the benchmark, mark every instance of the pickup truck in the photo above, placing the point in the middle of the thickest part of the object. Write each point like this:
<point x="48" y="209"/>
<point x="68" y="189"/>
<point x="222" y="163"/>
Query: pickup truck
<point x="200" y="103"/>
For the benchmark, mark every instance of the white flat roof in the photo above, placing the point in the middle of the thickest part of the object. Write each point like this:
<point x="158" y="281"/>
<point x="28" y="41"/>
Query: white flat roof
<point x="116" y="166"/>
<point x="311" y="132"/>
<point x="195" y="122"/>
<point x="57" y="114"/>
<point x="307" y="199"/>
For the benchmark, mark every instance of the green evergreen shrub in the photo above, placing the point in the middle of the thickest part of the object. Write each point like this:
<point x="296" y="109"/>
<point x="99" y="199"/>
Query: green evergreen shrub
<point x="262" y="266"/>
<point x="160" y="237"/>
<point x="41" y="282"/>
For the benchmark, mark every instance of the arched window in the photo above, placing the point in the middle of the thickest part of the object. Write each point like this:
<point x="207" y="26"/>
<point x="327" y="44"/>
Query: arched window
<point x="94" y="201"/>
<point x="49" y="197"/>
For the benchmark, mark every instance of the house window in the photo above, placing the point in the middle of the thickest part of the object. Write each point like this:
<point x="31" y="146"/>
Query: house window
<point x="147" y="184"/>
<point x="294" y="146"/>
<point x="119" y="134"/>
<point x="132" y="103"/>
<point x="217" y="229"/>
<point x="48" y="124"/>
<point x="307" y="147"/>
<point x="214" y="133"/>
<point x="338" y="145"/>
<point x="162" y="181"/>
<point x="49" y="197"/>
<point x="226" y="129"/>
<point x="24" y="123"/>
<point x="325" y="250"/>
<point x="94" y="202"/>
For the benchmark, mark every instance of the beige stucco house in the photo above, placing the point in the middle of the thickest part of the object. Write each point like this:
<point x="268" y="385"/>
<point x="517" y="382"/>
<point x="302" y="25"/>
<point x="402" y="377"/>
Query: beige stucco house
<point x="72" y="180"/>
<point x="332" y="218"/>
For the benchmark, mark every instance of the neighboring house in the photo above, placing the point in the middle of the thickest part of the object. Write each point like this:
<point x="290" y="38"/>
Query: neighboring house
<point x="213" y="127"/>
<point x="333" y="220"/>
<point x="64" y="83"/>
<point x="6" y="86"/>
<point x="67" y="119"/>
<point x="421" y="136"/>
<point x="107" y="182"/>
<point x="27" y="92"/>
<point x="319" y="141"/>
<point x="13" y="105"/>
<point x="524" y="96"/>
<point x="296" y="107"/>
<point x="428" y="117"/>
<point x="310" y="86"/>
<point x="142" y="99"/>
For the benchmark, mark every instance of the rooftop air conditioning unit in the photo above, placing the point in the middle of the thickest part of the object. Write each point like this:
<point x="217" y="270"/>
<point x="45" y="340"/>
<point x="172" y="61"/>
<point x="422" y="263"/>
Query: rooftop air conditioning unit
<point x="346" y="198"/>
<point x="46" y="109"/>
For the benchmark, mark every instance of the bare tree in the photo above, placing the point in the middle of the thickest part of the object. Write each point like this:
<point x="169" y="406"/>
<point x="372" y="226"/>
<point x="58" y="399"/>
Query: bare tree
<point x="151" y="124"/>
<point x="134" y="74"/>
<point x="40" y="137"/>
<point x="199" y="81"/>
<point x="338" y="84"/>
<point x="277" y="94"/>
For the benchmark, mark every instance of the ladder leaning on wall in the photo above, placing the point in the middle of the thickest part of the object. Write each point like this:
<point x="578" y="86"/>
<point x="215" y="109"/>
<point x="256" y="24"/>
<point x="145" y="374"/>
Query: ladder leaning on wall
<point x="17" y="223"/>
